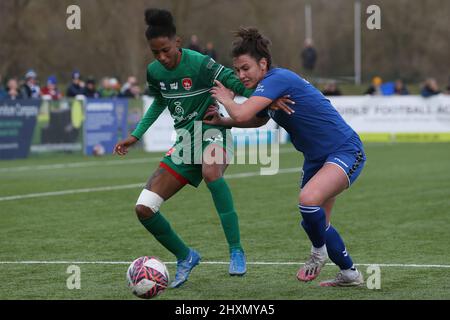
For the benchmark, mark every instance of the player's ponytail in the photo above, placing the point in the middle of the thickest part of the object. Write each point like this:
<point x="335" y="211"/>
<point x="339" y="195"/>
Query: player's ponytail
<point x="253" y="43"/>
<point x="160" y="24"/>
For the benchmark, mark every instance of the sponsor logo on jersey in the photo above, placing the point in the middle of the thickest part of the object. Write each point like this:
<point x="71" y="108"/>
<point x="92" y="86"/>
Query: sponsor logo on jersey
<point x="174" y="86"/>
<point x="187" y="83"/>
<point x="178" y="108"/>
<point x="260" y="88"/>
<point x="162" y="85"/>
<point x="181" y="118"/>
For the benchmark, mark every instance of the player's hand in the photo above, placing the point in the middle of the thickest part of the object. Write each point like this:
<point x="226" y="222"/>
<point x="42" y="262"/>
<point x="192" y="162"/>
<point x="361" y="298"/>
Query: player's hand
<point x="212" y="116"/>
<point x="282" y="104"/>
<point x="121" y="148"/>
<point x="221" y="93"/>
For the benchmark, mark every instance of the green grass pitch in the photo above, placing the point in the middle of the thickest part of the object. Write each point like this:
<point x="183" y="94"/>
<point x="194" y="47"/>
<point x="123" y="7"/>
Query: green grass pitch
<point x="398" y="212"/>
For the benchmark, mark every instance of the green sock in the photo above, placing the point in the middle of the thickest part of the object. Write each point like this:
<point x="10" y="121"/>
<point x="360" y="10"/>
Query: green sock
<point x="160" y="228"/>
<point x="223" y="200"/>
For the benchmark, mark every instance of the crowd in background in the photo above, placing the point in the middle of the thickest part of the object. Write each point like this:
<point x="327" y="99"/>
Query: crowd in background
<point x="377" y="87"/>
<point x="29" y="87"/>
<point x="110" y="87"/>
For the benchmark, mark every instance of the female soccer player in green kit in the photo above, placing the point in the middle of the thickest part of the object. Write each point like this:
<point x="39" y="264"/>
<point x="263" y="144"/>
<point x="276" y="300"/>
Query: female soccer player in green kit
<point x="180" y="79"/>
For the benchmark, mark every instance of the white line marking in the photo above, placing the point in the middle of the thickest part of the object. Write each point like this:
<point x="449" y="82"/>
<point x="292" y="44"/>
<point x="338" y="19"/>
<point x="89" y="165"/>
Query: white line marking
<point x="399" y="265"/>
<point x="126" y="186"/>
<point x="84" y="164"/>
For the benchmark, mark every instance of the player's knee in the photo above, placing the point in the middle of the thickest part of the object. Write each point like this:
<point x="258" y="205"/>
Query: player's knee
<point x="148" y="204"/>
<point x="310" y="198"/>
<point x="211" y="174"/>
<point x="143" y="212"/>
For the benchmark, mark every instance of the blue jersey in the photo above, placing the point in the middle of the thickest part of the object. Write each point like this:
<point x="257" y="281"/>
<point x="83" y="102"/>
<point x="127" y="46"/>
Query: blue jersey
<point x="316" y="128"/>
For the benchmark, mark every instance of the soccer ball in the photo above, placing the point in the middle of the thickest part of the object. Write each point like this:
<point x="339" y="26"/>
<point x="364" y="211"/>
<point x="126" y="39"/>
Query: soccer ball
<point x="147" y="277"/>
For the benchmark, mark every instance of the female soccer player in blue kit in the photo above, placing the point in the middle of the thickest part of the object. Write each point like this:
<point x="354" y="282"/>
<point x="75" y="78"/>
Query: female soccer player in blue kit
<point x="334" y="155"/>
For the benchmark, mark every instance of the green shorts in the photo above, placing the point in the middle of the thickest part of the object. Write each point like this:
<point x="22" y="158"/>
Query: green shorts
<point x="184" y="161"/>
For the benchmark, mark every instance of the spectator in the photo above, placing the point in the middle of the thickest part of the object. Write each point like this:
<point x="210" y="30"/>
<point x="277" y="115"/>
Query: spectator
<point x="447" y="90"/>
<point x="115" y="86"/>
<point x="331" y="89"/>
<point x="375" y="87"/>
<point x="125" y="90"/>
<point x="135" y="91"/>
<point x="3" y="93"/>
<point x="309" y="56"/>
<point x="194" y="45"/>
<point x="108" y="88"/>
<point x="76" y="87"/>
<point x="30" y="89"/>
<point x="90" y="89"/>
<point x="210" y="51"/>
<point x="400" y="88"/>
<point x="12" y="90"/>
<point x="51" y="90"/>
<point x="430" y="88"/>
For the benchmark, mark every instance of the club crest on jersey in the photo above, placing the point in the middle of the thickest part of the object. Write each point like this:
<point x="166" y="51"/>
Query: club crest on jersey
<point x="187" y="83"/>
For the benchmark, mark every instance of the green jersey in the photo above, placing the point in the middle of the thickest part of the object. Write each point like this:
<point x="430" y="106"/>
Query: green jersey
<point x="185" y="90"/>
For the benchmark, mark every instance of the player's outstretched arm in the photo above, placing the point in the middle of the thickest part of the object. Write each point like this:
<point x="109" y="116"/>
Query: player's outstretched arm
<point x="213" y="117"/>
<point x="239" y="112"/>
<point x="121" y="148"/>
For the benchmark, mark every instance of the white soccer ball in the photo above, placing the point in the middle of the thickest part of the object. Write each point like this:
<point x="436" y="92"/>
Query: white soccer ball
<point x="147" y="277"/>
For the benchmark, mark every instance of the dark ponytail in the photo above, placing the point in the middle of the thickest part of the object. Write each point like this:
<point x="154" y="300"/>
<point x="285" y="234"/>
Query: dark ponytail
<point x="253" y="43"/>
<point x="160" y="24"/>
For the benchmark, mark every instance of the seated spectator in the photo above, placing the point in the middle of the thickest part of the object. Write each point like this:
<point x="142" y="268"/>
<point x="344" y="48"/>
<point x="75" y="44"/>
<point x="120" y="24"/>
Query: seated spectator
<point x="30" y="89"/>
<point x="400" y="88"/>
<point x="51" y="90"/>
<point x="90" y="89"/>
<point x="331" y="89"/>
<point x="430" y="88"/>
<point x="375" y="87"/>
<point x="210" y="51"/>
<point x="131" y="81"/>
<point x="12" y="90"/>
<point x="76" y="87"/>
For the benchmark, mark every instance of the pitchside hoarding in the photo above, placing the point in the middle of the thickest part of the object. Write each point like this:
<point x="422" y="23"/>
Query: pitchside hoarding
<point x="396" y="118"/>
<point x="17" y="122"/>
<point x="105" y="123"/>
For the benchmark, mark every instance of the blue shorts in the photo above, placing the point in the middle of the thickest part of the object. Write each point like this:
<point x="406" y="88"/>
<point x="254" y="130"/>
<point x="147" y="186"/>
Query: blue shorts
<point x="350" y="157"/>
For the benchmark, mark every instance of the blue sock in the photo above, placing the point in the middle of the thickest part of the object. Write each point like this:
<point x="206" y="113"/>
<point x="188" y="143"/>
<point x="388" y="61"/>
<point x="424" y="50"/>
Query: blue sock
<point x="336" y="249"/>
<point x="314" y="223"/>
